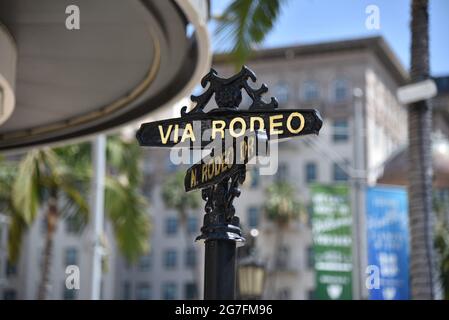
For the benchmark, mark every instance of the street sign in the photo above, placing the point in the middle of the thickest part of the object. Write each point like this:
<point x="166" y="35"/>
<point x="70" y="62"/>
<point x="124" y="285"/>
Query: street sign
<point x="388" y="242"/>
<point x="197" y="129"/>
<point x="415" y="92"/>
<point x="214" y="168"/>
<point x="332" y="242"/>
<point x="234" y="136"/>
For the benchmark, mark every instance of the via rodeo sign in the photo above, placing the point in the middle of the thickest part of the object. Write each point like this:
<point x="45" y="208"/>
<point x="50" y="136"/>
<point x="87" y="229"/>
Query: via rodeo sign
<point x="235" y="136"/>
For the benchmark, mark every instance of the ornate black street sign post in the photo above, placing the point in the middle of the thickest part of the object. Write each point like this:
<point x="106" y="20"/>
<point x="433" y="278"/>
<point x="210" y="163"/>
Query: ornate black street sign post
<point x="234" y="137"/>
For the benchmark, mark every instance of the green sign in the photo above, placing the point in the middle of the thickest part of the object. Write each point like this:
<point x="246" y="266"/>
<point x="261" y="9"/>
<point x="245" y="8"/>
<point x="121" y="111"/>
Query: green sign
<point x="332" y="242"/>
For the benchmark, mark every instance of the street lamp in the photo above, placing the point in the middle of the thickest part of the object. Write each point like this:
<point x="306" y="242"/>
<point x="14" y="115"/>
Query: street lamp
<point x="251" y="272"/>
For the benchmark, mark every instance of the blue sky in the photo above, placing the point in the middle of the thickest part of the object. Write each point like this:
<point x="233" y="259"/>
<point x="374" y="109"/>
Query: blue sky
<point x="308" y="21"/>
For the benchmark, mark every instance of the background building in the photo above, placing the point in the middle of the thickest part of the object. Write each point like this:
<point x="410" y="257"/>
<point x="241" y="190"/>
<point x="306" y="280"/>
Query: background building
<point x="324" y="76"/>
<point x="59" y="83"/>
<point x="124" y="60"/>
<point x="321" y="76"/>
<point x="173" y="269"/>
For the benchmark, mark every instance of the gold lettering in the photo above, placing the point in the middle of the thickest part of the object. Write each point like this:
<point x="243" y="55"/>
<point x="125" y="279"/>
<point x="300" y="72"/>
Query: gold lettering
<point x="274" y="125"/>
<point x="232" y="129"/>
<point x="252" y="123"/>
<point x="301" y="122"/>
<point x="164" y="139"/>
<point x="204" y="173"/>
<point x="188" y="133"/>
<point x="175" y="134"/>
<point x="218" y="126"/>
<point x="192" y="178"/>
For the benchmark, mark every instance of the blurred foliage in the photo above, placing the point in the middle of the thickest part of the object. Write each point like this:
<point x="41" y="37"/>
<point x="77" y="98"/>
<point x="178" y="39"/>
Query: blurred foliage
<point x="175" y="196"/>
<point x="244" y="24"/>
<point x="26" y="185"/>
<point x="42" y="173"/>
<point x="281" y="205"/>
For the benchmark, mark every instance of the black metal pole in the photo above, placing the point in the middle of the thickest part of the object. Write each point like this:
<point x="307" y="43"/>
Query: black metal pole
<point x="221" y="232"/>
<point x="219" y="271"/>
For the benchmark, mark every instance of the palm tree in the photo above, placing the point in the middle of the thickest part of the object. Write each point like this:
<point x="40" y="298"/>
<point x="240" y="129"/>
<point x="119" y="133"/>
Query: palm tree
<point x="58" y="180"/>
<point x="282" y="208"/>
<point x="175" y="197"/>
<point x="44" y="180"/>
<point x="244" y="24"/>
<point x="422" y="269"/>
<point x="281" y="205"/>
<point x="8" y="172"/>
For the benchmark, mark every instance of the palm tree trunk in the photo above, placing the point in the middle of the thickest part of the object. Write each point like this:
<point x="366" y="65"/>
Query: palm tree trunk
<point x="47" y="255"/>
<point x="422" y="269"/>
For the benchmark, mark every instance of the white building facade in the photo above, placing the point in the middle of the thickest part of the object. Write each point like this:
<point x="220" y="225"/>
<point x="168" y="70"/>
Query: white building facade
<point x="321" y="76"/>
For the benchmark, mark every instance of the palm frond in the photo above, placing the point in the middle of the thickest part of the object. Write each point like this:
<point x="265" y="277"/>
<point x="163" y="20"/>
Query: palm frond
<point x="281" y="205"/>
<point x="123" y="157"/>
<point x="17" y="227"/>
<point x="126" y="208"/>
<point x="26" y="193"/>
<point x="245" y="23"/>
<point x="175" y="197"/>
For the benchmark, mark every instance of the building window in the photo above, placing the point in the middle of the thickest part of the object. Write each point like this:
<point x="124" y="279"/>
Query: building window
<point x="192" y="225"/>
<point x="190" y="291"/>
<point x="143" y="291"/>
<point x="284" y="294"/>
<point x="311" y="172"/>
<point x="339" y="174"/>
<point x="170" y="259"/>
<point x="73" y="224"/>
<point x="341" y="130"/>
<point x="71" y="256"/>
<point x="253" y="217"/>
<point x="282" y="173"/>
<point x="255" y="178"/>
<point x="281" y="93"/>
<point x="311" y="295"/>
<point x="126" y="290"/>
<point x="68" y="294"/>
<point x="282" y="258"/>
<point x="145" y="263"/>
<point x="11" y="269"/>
<point x="171" y="225"/>
<point x="310" y="258"/>
<point x="341" y="88"/>
<point x="169" y="291"/>
<point x="190" y="258"/>
<point x="311" y="91"/>
<point x="9" y="294"/>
